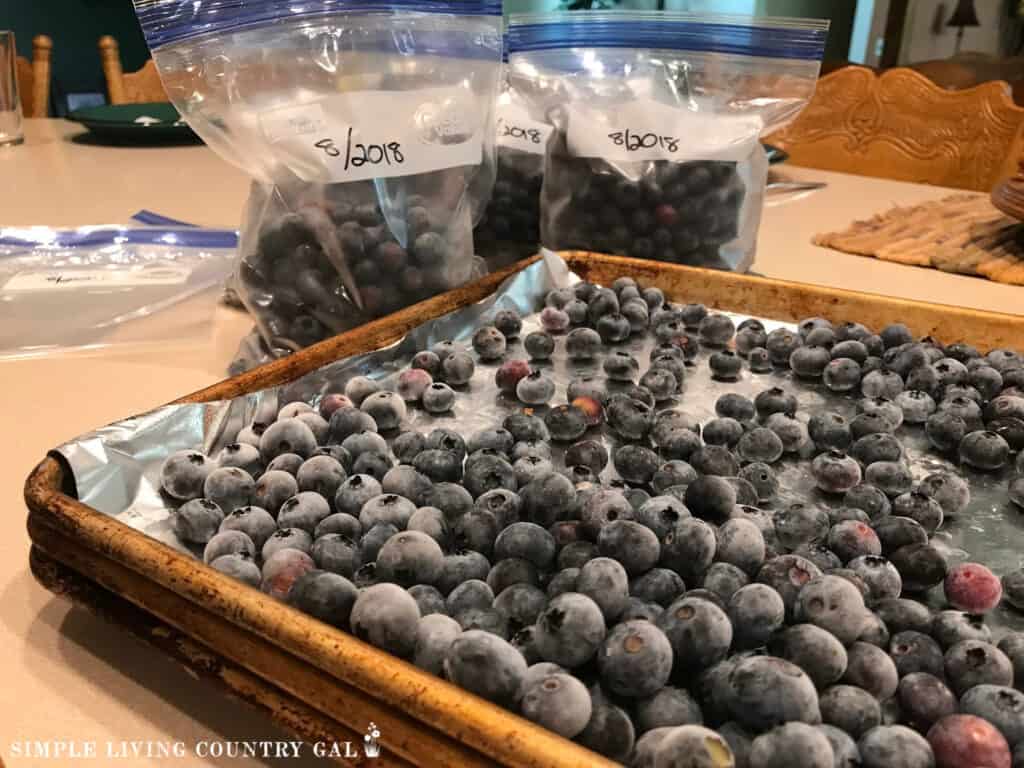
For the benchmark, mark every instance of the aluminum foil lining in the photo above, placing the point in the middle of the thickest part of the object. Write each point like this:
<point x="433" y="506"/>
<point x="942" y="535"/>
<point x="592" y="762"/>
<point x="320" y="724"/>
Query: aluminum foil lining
<point x="117" y="467"/>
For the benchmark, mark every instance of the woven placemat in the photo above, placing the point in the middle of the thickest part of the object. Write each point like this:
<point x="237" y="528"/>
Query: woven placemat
<point x="962" y="233"/>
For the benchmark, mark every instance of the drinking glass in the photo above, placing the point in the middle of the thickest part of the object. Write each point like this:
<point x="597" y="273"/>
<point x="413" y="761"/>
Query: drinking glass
<point x="10" y="104"/>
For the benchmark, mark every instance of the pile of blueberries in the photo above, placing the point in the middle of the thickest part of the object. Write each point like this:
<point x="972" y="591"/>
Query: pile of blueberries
<point x="510" y="228"/>
<point x="680" y="615"/>
<point x="680" y="213"/>
<point x="300" y="295"/>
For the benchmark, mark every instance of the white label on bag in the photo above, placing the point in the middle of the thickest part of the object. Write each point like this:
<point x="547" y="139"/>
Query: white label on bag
<point x="517" y="130"/>
<point x="645" y="129"/>
<point x="377" y="134"/>
<point x="75" y="278"/>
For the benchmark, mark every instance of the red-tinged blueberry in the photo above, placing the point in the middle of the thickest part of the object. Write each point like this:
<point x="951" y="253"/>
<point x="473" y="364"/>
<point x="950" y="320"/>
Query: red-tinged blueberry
<point x="412" y="383"/>
<point x="666" y="215"/>
<point x="509" y="374"/>
<point x="973" y="588"/>
<point x="332" y="402"/>
<point x="282" y="569"/>
<point x="554" y="320"/>
<point x="959" y="741"/>
<point x="592" y="411"/>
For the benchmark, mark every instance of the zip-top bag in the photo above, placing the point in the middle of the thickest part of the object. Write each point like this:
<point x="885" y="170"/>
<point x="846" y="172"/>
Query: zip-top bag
<point x="657" y="118"/>
<point x="368" y="129"/>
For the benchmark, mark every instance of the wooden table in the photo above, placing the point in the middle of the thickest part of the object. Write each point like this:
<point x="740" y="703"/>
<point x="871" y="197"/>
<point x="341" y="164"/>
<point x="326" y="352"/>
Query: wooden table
<point x="68" y="676"/>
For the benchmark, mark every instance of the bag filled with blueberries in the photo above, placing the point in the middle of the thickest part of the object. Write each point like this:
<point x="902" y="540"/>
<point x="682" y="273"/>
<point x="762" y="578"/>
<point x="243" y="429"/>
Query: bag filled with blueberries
<point x="657" y="117"/>
<point x="368" y="129"/>
<point x="510" y="227"/>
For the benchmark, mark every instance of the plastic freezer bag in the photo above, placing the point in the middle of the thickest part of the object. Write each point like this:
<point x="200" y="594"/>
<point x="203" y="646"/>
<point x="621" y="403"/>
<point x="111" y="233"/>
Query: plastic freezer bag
<point x="657" y="118"/>
<point x="510" y="228"/>
<point x="368" y="130"/>
<point x="97" y="287"/>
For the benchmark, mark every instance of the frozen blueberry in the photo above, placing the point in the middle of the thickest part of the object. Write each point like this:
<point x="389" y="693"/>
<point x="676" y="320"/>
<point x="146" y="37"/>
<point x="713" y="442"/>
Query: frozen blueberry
<point x="924" y="699"/>
<point x="557" y="701"/>
<point x="243" y="456"/>
<point x="830" y="430"/>
<point x="197" y="521"/>
<point x="539" y="345"/>
<point x="800" y="524"/>
<point x="510" y="571"/>
<point x="741" y="543"/>
<point x="435" y="634"/>
<point x="438" y="398"/>
<point x="767" y="691"/>
<point x="763" y="478"/>
<point x="322" y="475"/>
<point x="577" y="312"/>
<point x="716" y="330"/>
<point x="715" y="460"/>
<point x="871" y="668"/>
<point x="964" y="739"/>
<point x="916" y="406"/>
<point x="711" y="498"/>
<point x="725" y="365"/>
<point x="900" y="614"/>
<point x="554" y="320"/>
<point x="973" y="588"/>
<point x="793" y="745"/>
<point x="835" y="472"/>
<point x="891" y="477"/>
<point x="605" y="582"/>
<point x="569" y="630"/>
<point x="759" y="360"/>
<point x="951" y="627"/>
<point x="613" y="328"/>
<point x="358" y="388"/>
<point x="849" y="708"/>
<point x="349" y="421"/>
<point x="238" y="565"/>
<point x="667" y="708"/>
<point x="880" y="383"/>
<point x="750" y="338"/>
<point x="842" y="374"/>
<point x="409" y="558"/>
<point x="881" y="577"/>
<point x="916" y="652"/>
<point x="699" y="631"/>
<point x="284" y="538"/>
<point x="661" y="382"/>
<point x="880" y="746"/>
<point x="724" y="579"/>
<point x="774" y="400"/>
<point x="833" y="604"/>
<point x="281" y="570"/>
<point x="385" y="615"/>
<point x="632" y="544"/>
<point x="229" y="488"/>
<point x="816" y="651"/>
<point x="787" y="574"/>
<point x="273" y="488"/>
<point x="325" y="596"/>
<point x="228" y="542"/>
<point x="457" y="369"/>
<point x="428" y="361"/>
<point x="286" y="462"/>
<point x="984" y="450"/>
<point x="636" y="464"/>
<point x="412" y="383"/>
<point x="565" y="423"/>
<point x="635" y="659"/>
<point x="810" y="362"/>
<point x="489" y="343"/>
<point x="335" y="552"/>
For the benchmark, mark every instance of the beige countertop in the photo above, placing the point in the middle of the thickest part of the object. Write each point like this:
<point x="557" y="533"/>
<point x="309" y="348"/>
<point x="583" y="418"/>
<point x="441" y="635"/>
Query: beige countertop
<point x="69" y="676"/>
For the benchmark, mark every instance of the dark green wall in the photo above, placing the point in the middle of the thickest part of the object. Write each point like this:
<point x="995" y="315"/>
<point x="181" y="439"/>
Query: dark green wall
<point x="75" y="26"/>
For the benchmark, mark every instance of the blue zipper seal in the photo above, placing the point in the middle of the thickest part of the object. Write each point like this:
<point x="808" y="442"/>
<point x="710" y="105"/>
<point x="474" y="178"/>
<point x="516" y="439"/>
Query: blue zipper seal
<point x="186" y="237"/>
<point x="153" y="219"/>
<point x="795" y="39"/>
<point x="170" y="21"/>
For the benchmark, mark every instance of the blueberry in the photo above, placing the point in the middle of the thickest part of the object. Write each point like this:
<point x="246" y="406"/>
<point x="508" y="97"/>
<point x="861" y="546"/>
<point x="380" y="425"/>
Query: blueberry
<point x="881" y="577"/>
<point x="716" y="330"/>
<point x="724" y="579"/>
<point x="385" y="615"/>
<point x="842" y="374"/>
<point x="711" y="498"/>
<point x="557" y="701"/>
<point x="438" y="398"/>
<point x="725" y="365"/>
<point x="759" y="360"/>
<point x="749" y="339"/>
<point x="548" y="497"/>
<point x="891" y="477"/>
<point x="435" y="634"/>
<point x="894" y="746"/>
<point x="774" y="400"/>
<point x="613" y="328"/>
<point x="767" y="691"/>
<point x="880" y="383"/>
<point x="539" y="345"/>
<point x="320" y="474"/>
<point x="661" y="514"/>
<point x="830" y="430"/>
<point x="457" y="369"/>
<point x="554" y="320"/>
<point x="793" y="745"/>
<point x="920" y="507"/>
<point x="1012" y="645"/>
<point x="566" y="423"/>
<point x="273" y="488"/>
<point x="835" y="472"/>
<point x="667" y="708"/>
<point x="570" y="630"/>
<point x="799" y="524"/>
<point x="472" y="594"/>
<point x="197" y="521"/>
<point x="699" y="631"/>
<point x="428" y="361"/>
<point x="965" y="739"/>
<point x="633" y="545"/>
<point x="528" y="541"/>
<point x="987" y="380"/>
<point x="924" y="699"/>
<point x="763" y="478"/>
<point x="950" y="627"/>
<point x="636" y="464"/>
<point x="358" y="388"/>
<point x="689" y="548"/>
<point x="715" y="460"/>
<point x="1002" y="706"/>
<point x="286" y="538"/>
<point x="810" y="362"/>
<point x="588" y="453"/>
<point x="833" y="604"/>
<point x="349" y="421"/>
<point x="364" y="441"/>
<point x="241" y="455"/>
<point x="900" y="614"/>
<point x="460" y="567"/>
<point x="410" y="558"/>
<point x="661" y="381"/>
<point x="629" y="418"/>
<point x="286" y="462"/>
<point x="336" y="553"/>
<point x="781" y="344"/>
<point x="879" y="446"/>
<point x="675" y="472"/>
<point x="851" y="709"/>
<point x="256" y="523"/>
<point x="520" y="604"/>
<point x="512" y="570"/>
<point x="635" y="659"/>
<point x="535" y="389"/>
<point x="945" y="431"/>
<point x="238" y="565"/>
<point x="984" y="450"/>
<point x="620" y="366"/>
<point x="693" y="315"/>
<point x="452" y="499"/>
<point x="817" y="652"/>
<point x="229" y="488"/>
<point x="869" y="667"/>
<point x="972" y="587"/>
<point x="787" y="574"/>
<point x="610" y="731"/>
<point x="386" y="508"/>
<point x="605" y="581"/>
<point x="281" y="570"/>
<point x="412" y="383"/>
<point x="916" y="652"/>
<point x="228" y="542"/>
<point x="741" y="543"/>
<point x="489" y="343"/>
<point x="325" y="596"/>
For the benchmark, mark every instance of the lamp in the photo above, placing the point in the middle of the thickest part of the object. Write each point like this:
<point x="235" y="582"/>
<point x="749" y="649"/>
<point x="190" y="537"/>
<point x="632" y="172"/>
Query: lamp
<point x="964" y="15"/>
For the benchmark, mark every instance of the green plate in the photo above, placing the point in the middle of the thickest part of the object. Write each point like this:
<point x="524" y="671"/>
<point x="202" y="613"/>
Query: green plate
<point x="775" y="155"/>
<point x="150" y="123"/>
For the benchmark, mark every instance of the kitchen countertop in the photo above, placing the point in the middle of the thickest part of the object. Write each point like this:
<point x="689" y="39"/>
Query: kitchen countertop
<point x="70" y="676"/>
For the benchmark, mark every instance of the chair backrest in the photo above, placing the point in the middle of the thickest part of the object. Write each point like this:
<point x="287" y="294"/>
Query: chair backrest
<point x="900" y="125"/>
<point x="134" y="87"/>
<point x="34" y="78"/>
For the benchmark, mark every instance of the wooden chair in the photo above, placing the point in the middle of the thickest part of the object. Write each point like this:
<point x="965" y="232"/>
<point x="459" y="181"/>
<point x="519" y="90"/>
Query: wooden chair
<point x="900" y="125"/>
<point x="34" y="78"/>
<point x="133" y="88"/>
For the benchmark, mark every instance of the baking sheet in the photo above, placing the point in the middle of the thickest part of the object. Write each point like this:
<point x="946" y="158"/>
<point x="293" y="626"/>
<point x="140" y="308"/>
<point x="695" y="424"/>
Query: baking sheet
<point x="117" y="467"/>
